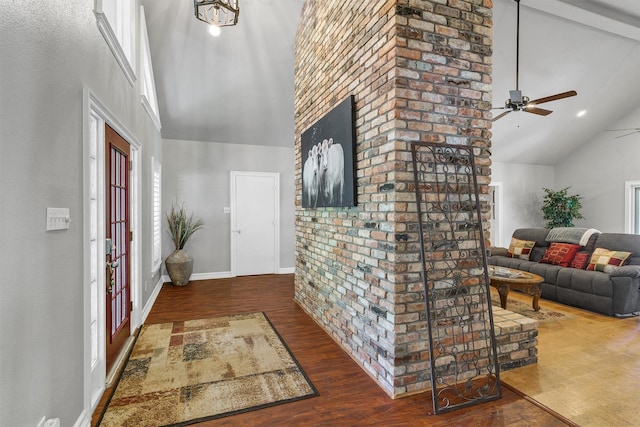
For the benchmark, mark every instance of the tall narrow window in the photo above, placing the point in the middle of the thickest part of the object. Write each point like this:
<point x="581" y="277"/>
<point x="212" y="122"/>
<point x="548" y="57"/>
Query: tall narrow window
<point x="157" y="215"/>
<point x="116" y="22"/>
<point x="147" y="87"/>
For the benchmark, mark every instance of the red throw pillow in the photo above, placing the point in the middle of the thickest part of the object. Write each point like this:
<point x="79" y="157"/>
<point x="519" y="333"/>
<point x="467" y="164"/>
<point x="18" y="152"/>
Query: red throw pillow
<point x="560" y="254"/>
<point x="581" y="260"/>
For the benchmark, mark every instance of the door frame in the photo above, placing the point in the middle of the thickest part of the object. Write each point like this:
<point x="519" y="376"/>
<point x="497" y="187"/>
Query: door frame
<point x="234" y="235"/>
<point x="496" y="211"/>
<point x="94" y="366"/>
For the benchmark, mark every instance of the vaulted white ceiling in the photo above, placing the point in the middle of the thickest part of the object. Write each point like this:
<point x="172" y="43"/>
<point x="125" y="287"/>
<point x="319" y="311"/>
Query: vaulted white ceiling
<point x="238" y="88"/>
<point x="564" y="47"/>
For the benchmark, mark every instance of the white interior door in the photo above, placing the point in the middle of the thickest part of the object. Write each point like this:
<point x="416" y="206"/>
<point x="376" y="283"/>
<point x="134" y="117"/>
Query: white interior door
<point x="255" y="219"/>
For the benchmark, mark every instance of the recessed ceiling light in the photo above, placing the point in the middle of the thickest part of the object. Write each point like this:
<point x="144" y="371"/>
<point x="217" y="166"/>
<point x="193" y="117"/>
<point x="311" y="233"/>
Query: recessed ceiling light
<point x="581" y="113"/>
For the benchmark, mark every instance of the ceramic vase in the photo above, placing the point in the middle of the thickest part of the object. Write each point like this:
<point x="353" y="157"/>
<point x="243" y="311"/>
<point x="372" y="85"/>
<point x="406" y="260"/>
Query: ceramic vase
<point x="179" y="266"/>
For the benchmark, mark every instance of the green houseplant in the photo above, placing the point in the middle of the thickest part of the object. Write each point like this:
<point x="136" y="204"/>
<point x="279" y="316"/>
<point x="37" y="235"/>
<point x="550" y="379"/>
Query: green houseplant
<point x="560" y="209"/>
<point x="182" y="226"/>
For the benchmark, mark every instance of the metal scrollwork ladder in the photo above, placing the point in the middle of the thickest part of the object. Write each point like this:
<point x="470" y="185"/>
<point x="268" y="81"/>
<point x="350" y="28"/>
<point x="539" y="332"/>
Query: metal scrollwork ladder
<point x="462" y="345"/>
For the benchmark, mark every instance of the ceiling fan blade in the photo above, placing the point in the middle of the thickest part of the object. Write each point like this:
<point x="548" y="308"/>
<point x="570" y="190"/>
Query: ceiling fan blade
<point x="501" y="115"/>
<point x="538" y="111"/>
<point x="627" y="134"/>
<point x="618" y="130"/>
<point x="554" y="97"/>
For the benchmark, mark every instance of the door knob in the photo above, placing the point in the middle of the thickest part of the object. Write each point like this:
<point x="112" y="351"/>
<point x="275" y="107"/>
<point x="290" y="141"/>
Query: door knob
<point x="111" y="266"/>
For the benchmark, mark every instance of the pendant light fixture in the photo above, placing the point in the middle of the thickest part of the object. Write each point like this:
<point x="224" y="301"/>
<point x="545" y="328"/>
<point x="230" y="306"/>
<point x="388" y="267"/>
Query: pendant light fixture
<point x="220" y="13"/>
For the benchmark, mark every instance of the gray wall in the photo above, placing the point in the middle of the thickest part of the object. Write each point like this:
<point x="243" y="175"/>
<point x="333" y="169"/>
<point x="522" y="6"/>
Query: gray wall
<point x="598" y="172"/>
<point x="196" y="174"/>
<point x="49" y="51"/>
<point x="522" y="193"/>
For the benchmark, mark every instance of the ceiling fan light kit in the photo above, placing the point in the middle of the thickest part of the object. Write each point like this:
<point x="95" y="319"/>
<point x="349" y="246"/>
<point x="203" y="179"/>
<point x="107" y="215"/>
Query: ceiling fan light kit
<point x="221" y="13"/>
<point x="518" y="102"/>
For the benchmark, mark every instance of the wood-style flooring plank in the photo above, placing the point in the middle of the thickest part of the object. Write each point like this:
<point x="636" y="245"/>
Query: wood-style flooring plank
<point x="347" y="395"/>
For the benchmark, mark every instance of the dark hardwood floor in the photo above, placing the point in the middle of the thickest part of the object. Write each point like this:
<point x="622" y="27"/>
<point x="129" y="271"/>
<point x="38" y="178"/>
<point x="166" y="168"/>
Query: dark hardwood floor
<point x="347" y="395"/>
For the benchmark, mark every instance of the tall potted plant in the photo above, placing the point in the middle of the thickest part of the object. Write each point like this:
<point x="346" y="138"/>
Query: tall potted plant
<point x="181" y="227"/>
<point x="560" y="209"/>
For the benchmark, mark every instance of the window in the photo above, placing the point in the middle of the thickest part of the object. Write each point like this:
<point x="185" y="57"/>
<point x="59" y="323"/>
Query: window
<point x="147" y="87"/>
<point x="157" y="215"/>
<point x="632" y="207"/>
<point x="117" y="25"/>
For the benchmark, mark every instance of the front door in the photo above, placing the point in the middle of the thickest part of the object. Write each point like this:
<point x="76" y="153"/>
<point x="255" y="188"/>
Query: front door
<point x="118" y="296"/>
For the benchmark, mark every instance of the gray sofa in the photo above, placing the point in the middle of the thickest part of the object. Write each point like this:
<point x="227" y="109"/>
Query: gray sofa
<point x="614" y="293"/>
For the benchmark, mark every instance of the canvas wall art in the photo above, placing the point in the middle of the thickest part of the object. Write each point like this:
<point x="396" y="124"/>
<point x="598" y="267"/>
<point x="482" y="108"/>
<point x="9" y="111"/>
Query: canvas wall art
<point x="328" y="159"/>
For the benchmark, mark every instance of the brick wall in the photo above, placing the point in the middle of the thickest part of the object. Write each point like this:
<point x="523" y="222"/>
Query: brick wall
<point x="419" y="71"/>
<point x="516" y="339"/>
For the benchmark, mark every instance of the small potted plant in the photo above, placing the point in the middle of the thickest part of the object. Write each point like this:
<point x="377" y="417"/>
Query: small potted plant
<point x="181" y="227"/>
<point x="560" y="209"/>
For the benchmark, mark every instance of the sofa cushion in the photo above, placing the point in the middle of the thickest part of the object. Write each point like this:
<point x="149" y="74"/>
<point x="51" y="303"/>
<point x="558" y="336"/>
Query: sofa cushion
<point x="548" y="271"/>
<point x="520" y="248"/>
<point x="560" y="254"/>
<point x="604" y="259"/>
<point x="581" y="260"/>
<point x="590" y="282"/>
<point x="621" y="242"/>
<point x="538" y="235"/>
<point x="518" y="264"/>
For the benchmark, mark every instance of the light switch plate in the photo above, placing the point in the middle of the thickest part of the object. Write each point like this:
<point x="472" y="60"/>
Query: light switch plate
<point x="58" y="219"/>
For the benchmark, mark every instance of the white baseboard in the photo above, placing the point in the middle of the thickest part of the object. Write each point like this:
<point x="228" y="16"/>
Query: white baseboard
<point x="203" y="276"/>
<point x="208" y="276"/>
<point x="224" y="275"/>
<point x="152" y="299"/>
<point x="83" y="420"/>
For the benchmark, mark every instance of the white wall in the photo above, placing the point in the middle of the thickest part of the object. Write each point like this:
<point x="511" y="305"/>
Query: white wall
<point x="521" y="195"/>
<point x="598" y="172"/>
<point x="197" y="174"/>
<point x="49" y="52"/>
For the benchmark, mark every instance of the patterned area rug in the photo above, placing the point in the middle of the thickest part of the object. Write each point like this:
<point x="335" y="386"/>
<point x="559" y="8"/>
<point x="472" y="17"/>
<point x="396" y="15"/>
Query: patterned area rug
<point x="525" y="309"/>
<point x="182" y="373"/>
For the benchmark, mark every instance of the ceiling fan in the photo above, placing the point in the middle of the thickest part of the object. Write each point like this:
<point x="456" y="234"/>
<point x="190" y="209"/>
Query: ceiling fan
<point x="633" y="130"/>
<point x="518" y="102"/>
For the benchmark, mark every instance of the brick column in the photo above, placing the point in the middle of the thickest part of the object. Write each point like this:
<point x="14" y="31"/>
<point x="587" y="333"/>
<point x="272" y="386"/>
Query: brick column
<point x="419" y="71"/>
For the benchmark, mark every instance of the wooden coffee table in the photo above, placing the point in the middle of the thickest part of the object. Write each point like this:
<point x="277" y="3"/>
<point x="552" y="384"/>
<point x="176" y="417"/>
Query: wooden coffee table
<point x="504" y="279"/>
